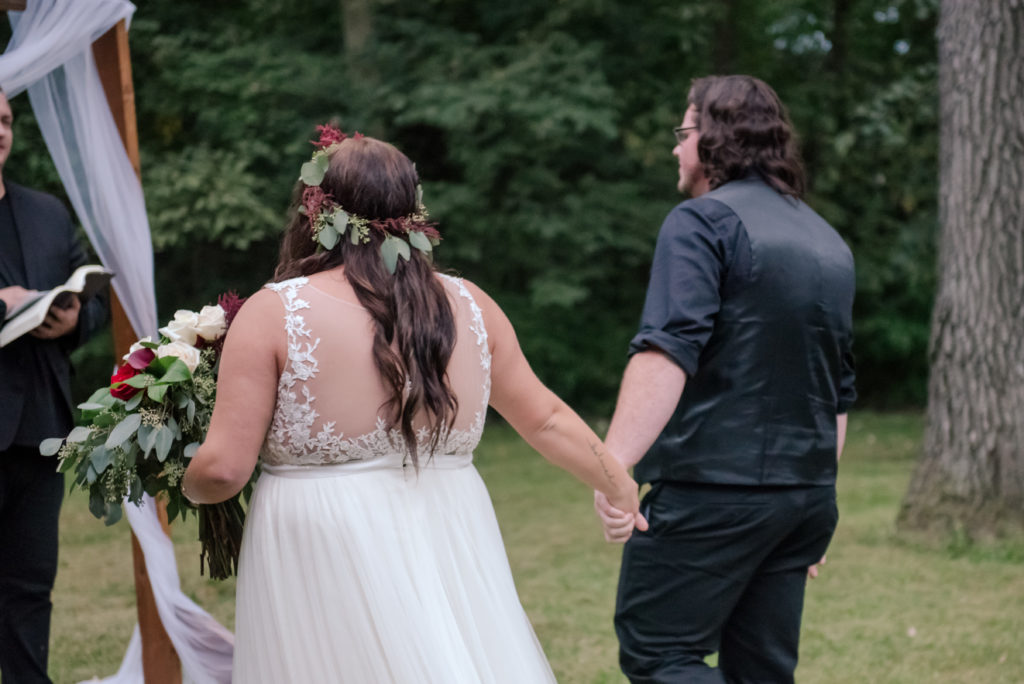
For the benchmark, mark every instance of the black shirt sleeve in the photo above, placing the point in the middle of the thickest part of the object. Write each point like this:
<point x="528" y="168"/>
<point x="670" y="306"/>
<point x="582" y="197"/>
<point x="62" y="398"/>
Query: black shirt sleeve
<point x="691" y="259"/>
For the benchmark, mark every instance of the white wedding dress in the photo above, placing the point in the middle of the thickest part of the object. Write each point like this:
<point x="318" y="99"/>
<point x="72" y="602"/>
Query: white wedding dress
<point x="354" y="567"/>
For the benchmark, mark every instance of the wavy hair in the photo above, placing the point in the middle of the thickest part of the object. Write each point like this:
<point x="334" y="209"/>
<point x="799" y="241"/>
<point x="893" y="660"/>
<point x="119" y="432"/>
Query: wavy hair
<point x="745" y="127"/>
<point x="414" y="326"/>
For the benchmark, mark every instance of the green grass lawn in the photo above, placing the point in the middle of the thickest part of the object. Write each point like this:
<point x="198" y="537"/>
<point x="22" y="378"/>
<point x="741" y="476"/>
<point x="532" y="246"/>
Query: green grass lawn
<point x="882" y="611"/>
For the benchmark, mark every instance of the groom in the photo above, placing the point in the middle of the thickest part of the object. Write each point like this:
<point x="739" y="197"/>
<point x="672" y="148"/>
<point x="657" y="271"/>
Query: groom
<point x="733" y="404"/>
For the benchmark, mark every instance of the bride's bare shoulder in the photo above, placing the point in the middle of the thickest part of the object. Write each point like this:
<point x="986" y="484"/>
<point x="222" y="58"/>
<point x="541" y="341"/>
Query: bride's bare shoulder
<point x="259" y="309"/>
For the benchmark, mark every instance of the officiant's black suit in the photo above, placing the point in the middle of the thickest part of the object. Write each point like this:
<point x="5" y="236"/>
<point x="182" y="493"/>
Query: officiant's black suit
<point x="39" y="251"/>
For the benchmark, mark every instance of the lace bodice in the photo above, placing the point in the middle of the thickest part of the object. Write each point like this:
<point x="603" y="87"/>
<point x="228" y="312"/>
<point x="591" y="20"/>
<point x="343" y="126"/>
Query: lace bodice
<point x="330" y="387"/>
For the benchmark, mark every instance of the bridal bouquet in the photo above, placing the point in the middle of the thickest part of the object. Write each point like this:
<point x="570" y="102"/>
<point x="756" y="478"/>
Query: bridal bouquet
<point x="138" y="434"/>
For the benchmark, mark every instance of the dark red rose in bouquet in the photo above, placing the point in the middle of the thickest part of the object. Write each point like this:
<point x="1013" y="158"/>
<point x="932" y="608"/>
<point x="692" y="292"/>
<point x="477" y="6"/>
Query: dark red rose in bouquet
<point x="141" y="358"/>
<point x="123" y="390"/>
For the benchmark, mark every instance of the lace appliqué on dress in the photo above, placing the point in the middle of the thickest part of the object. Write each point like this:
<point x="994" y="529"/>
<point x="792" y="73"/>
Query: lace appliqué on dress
<point x="290" y="439"/>
<point x="464" y="441"/>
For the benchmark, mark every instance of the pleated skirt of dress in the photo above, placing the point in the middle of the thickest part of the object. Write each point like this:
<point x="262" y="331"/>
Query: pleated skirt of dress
<point x="376" y="577"/>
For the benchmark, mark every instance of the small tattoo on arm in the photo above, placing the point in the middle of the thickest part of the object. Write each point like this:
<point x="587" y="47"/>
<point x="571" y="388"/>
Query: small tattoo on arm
<point x="600" y="455"/>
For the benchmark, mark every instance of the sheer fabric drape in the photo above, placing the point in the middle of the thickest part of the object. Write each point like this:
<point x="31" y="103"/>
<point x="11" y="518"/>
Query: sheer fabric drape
<point x="50" y="56"/>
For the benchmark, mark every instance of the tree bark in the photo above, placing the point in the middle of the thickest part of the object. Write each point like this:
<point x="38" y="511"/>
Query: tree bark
<point x="356" y="26"/>
<point x="723" y="52"/>
<point x="970" y="479"/>
<point x="357" y="35"/>
<point x="836" y="62"/>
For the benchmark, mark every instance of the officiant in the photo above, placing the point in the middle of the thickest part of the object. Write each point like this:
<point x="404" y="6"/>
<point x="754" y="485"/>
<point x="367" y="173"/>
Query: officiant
<point x="38" y="251"/>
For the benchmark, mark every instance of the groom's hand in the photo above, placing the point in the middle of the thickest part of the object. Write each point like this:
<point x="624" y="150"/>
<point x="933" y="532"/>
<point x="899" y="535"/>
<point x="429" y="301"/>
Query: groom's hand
<point x="618" y="526"/>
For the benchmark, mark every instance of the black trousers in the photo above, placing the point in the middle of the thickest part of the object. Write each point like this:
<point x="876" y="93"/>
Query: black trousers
<point x="722" y="568"/>
<point x="31" y="491"/>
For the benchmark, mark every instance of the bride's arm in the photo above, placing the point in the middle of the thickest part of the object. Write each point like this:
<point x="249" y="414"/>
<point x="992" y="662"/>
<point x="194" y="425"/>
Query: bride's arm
<point x="246" y="394"/>
<point x="546" y="422"/>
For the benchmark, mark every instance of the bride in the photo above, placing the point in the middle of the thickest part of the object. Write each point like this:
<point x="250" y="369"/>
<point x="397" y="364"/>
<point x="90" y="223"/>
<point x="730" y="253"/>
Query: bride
<point x="361" y="378"/>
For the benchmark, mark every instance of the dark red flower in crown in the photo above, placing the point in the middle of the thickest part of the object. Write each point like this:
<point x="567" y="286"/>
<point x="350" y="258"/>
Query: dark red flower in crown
<point x="403" y="225"/>
<point x="328" y="136"/>
<point x="313" y="201"/>
<point x="123" y="391"/>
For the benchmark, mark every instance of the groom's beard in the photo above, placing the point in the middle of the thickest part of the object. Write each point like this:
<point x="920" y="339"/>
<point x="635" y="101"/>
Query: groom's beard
<point x="692" y="185"/>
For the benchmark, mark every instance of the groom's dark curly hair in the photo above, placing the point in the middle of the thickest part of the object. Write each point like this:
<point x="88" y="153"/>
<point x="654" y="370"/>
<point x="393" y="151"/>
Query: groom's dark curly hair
<point x="744" y="127"/>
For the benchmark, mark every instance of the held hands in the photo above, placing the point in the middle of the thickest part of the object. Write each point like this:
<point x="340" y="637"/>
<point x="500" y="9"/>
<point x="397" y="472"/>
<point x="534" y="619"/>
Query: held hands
<point x="618" y="524"/>
<point x="59" y="321"/>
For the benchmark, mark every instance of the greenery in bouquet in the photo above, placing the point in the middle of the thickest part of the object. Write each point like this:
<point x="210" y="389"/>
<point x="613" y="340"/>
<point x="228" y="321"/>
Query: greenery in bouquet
<point x="138" y="434"/>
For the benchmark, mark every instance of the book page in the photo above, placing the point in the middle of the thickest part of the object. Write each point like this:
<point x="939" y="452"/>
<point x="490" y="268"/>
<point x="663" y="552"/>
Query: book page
<point x="85" y="282"/>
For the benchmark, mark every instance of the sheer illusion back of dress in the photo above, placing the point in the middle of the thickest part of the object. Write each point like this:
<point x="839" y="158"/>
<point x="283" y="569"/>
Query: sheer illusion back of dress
<point x="330" y="397"/>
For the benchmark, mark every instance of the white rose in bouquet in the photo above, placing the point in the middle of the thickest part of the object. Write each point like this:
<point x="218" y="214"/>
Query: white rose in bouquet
<point x="183" y="327"/>
<point x="211" y="324"/>
<point x="185" y="352"/>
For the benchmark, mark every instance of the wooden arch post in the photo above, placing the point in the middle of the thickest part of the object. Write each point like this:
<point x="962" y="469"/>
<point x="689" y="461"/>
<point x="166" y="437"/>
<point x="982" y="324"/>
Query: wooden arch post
<point x="160" y="662"/>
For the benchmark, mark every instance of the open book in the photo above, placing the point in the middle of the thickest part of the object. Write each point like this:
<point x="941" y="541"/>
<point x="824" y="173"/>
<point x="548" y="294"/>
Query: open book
<point x="85" y="282"/>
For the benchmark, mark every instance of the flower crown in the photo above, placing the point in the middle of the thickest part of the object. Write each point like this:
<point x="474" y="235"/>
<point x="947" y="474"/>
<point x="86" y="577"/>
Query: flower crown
<point x="329" y="221"/>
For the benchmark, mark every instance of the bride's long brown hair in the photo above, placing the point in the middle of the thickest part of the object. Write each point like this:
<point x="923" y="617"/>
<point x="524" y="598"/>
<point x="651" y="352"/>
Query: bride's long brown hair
<point x="414" y="327"/>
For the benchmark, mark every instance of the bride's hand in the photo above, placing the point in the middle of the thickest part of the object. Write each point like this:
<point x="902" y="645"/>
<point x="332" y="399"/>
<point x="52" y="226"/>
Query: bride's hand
<point x="618" y="524"/>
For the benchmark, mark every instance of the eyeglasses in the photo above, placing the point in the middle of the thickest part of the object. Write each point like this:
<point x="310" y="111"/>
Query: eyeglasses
<point x="680" y="132"/>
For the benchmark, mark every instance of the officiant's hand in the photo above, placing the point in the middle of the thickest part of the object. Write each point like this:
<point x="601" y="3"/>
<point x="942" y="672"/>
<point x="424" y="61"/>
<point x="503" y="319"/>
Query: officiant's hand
<point x="618" y="525"/>
<point x="59" y="321"/>
<point x="14" y="295"/>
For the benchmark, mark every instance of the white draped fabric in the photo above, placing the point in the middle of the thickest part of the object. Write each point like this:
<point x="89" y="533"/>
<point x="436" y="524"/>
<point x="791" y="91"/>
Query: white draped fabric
<point x="203" y="645"/>
<point x="50" y="55"/>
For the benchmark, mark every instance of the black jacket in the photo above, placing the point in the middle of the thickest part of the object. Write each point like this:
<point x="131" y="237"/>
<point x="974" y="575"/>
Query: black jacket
<point x="35" y="375"/>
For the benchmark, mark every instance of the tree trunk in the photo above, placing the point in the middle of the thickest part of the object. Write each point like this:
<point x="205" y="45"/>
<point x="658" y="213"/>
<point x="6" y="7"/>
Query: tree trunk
<point x="357" y="37"/>
<point x="356" y="26"/>
<point x="723" y="52"/>
<point x="970" y="480"/>
<point x="836" y="61"/>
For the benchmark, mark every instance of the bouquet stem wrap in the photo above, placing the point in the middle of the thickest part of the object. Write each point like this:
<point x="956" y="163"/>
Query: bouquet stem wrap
<point x="220" y="537"/>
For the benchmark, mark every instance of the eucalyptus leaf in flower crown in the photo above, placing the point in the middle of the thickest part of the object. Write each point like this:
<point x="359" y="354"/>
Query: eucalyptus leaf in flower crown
<point x="138" y="434"/>
<point x="328" y="221"/>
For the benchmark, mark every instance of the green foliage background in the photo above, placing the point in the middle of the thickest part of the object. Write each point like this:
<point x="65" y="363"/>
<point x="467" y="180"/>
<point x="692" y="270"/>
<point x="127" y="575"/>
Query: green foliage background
<point x="543" y="135"/>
